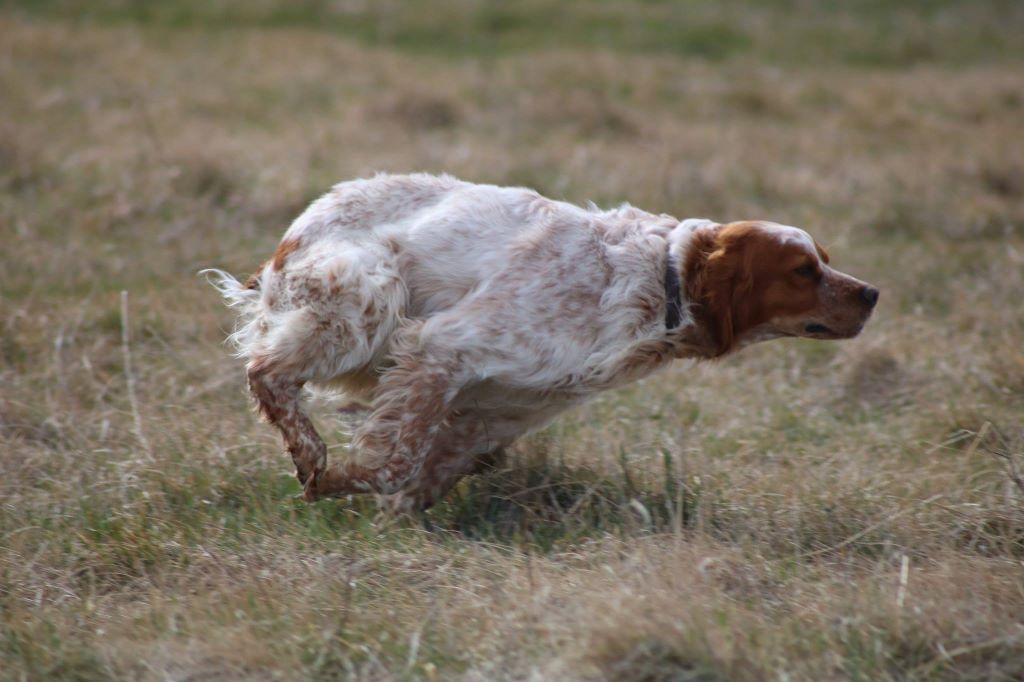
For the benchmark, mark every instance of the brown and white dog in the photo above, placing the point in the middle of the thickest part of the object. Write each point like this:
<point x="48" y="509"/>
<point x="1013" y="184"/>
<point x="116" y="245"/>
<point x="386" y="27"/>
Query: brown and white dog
<point x="466" y="315"/>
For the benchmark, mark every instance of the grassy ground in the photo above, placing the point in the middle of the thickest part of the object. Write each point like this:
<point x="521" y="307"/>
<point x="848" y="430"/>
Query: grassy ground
<point x="801" y="511"/>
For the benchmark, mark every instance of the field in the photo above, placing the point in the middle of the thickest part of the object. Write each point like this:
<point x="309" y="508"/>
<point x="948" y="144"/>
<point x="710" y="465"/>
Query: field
<point x="799" y="511"/>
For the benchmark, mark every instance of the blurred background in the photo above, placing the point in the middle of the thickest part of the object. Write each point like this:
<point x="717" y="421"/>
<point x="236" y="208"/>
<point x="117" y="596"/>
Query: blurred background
<point x="799" y="511"/>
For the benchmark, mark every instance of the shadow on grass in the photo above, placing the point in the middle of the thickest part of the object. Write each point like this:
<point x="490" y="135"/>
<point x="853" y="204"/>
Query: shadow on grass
<point x="548" y="504"/>
<point x="534" y="501"/>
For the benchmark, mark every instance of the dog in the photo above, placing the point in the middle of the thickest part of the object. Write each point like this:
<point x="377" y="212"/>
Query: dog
<point x="465" y="315"/>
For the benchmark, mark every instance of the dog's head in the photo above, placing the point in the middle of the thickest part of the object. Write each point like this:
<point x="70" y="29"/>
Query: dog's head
<point x="753" y="280"/>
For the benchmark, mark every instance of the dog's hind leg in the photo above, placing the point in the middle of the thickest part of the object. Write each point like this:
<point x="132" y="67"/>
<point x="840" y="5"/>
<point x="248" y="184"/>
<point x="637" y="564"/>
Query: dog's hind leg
<point x="320" y="319"/>
<point x="277" y="399"/>
<point x="411" y="405"/>
<point x="307" y="347"/>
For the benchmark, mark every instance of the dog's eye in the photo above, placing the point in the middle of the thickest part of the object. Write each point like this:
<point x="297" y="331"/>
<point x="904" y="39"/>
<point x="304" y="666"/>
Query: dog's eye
<point x="807" y="270"/>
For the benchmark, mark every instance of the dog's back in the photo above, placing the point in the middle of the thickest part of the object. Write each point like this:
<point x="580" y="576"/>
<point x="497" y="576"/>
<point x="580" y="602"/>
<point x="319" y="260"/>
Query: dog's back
<point x="372" y="255"/>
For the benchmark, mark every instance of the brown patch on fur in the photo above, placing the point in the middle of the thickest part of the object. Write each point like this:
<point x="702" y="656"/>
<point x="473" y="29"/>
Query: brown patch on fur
<point x="254" y="279"/>
<point x="285" y="249"/>
<point x="741" y="277"/>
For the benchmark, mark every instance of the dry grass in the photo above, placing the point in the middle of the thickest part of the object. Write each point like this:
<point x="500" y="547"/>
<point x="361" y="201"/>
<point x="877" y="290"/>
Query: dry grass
<point x="801" y="511"/>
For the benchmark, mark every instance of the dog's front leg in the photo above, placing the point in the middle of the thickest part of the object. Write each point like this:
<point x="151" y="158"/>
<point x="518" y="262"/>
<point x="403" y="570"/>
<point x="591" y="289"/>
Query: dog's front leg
<point x="411" y="404"/>
<point x="470" y="443"/>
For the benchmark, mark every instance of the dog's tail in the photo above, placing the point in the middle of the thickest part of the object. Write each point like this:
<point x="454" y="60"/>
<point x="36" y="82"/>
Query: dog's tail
<point x="246" y="299"/>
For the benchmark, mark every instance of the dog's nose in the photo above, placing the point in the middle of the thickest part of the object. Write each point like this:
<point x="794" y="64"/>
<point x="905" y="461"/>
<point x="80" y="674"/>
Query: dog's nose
<point x="869" y="295"/>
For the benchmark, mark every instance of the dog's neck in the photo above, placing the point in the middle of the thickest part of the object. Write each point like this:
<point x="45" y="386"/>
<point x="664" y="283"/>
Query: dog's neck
<point x="689" y="334"/>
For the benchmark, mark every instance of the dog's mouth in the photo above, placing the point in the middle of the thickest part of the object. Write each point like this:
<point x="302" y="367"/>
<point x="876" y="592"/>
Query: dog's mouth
<point x="815" y="329"/>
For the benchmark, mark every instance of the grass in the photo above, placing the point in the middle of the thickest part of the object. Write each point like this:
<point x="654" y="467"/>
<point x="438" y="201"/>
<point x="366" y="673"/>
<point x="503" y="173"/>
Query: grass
<point x="879" y="33"/>
<point x="802" y="510"/>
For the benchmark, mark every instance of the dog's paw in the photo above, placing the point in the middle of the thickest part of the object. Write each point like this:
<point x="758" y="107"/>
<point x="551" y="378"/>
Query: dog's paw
<point x="310" y="489"/>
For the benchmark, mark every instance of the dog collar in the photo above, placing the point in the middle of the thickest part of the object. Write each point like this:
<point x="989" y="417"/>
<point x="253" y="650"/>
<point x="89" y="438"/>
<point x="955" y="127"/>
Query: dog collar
<point x="673" y="293"/>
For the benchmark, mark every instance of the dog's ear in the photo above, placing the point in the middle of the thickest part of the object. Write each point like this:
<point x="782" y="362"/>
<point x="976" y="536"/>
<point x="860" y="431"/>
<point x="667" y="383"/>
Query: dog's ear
<point x="719" y="297"/>
<point x="729" y="286"/>
<point x="822" y="253"/>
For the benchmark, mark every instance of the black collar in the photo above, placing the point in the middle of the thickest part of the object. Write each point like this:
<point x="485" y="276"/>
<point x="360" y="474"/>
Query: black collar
<point x="673" y="294"/>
